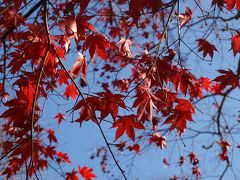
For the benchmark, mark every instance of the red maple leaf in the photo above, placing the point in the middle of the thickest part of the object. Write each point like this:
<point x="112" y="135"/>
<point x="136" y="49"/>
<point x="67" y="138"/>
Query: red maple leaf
<point x="59" y="51"/>
<point x="205" y="83"/>
<point x="20" y="108"/>
<point x="63" y="40"/>
<point x="154" y="5"/>
<point x="121" y="85"/>
<point x="184" y="106"/>
<point x="144" y="101"/>
<point x="231" y="4"/>
<point x="206" y="48"/>
<point x="134" y="10"/>
<point x="114" y="32"/>
<point x="182" y="80"/>
<point x="135" y="147"/>
<point x="71" y="91"/>
<point x="182" y="113"/>
<point x="63" y="77"/>
<point x="180" y="121"/>
<point x="63" y="157"/>
<point x="59" y="117"/>
<point x="110" y="103"/>
<point x="49" y="151"/>
<point x="126" y="124"/>
<point x="23" y="152"/>
<point x="106" y="102"/>
<point x="72" y="175"/>
<point x="227" y="79"/>
<point x="86" y="173"/>
<point x="96" y="44"/>
<point x="82" y="24"/>
<point x="51" y="135"/>
<point x="236" y="44"/>
<point x="88" y="107"/>
<point x="120" y="146"/>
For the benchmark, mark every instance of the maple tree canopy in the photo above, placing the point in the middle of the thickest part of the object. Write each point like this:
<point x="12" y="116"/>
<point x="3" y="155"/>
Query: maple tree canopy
<point x="161" y="75"/>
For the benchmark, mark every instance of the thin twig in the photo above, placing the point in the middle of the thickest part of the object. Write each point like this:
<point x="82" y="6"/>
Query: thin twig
<point x="37" y="88"/>
<point x="220" y="110"/>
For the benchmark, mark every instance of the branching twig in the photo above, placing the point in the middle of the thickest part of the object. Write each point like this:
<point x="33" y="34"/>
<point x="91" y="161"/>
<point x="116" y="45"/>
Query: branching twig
<point x="220" y="110"/>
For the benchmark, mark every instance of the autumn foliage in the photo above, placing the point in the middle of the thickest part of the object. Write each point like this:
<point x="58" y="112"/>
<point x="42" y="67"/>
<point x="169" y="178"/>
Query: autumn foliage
<point x="157" y="74"/>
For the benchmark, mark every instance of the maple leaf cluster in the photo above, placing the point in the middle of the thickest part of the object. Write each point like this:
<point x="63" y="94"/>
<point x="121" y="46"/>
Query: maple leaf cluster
<point x="117" y="64"/>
